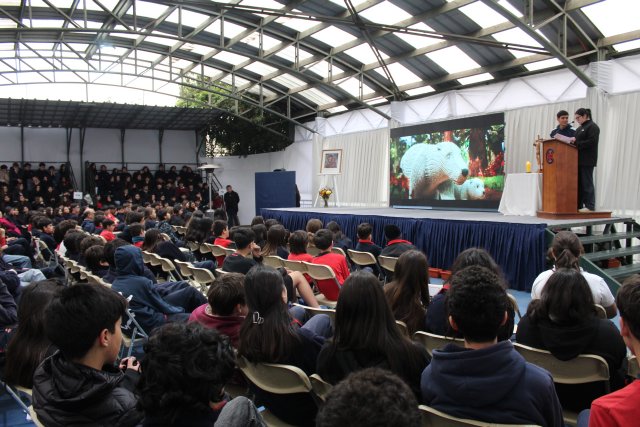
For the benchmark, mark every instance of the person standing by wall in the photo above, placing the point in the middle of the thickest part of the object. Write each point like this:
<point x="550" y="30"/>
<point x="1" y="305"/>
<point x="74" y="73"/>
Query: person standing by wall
<point x="586" y="139"/>
<point x="231" y="201"/>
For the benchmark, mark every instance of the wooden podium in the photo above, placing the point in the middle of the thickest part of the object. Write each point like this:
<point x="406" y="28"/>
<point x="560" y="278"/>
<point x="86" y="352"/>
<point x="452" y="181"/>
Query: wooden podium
<point x="559" y="165"/>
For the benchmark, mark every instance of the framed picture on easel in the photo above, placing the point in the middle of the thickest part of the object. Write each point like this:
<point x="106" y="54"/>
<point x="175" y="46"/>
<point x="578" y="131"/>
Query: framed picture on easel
<point x="331" y="162"/>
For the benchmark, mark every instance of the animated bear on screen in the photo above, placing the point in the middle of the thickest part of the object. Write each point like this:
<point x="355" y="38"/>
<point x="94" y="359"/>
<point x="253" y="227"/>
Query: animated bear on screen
<point x="432" y="169"/>
<point x="472" y="189"/>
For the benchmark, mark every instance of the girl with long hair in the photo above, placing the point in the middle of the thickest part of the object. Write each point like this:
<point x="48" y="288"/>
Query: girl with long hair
<point x="408" y="294"/>
<point x="276" y="242"/>
<point x="366" y="335"/>
<point x="30" y="345"/>
<point x="269" y="335"/>
<point x="565" y="251"/>
<point x="564" y="321"/>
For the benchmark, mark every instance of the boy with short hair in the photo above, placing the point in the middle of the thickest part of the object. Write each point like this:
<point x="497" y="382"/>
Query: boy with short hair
<point x="365" y="244"/>
<point x="486" y="380"/>
<point x="622" y="408"/>
<point x="221" y="234"/>
<point x="96" y="261"/>
<point x="226" y="307"/>
<point x="79" y="384"/>
<point x="239" y="262"/>
<point x="323" y="240"/>
<point x="136" y="231"/>
<point x="396" y="246"/>
<point x="108" y="227"/>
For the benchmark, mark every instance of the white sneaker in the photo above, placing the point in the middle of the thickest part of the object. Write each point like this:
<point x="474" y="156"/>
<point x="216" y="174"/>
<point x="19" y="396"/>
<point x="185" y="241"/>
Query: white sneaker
<point x="585" y="210"/>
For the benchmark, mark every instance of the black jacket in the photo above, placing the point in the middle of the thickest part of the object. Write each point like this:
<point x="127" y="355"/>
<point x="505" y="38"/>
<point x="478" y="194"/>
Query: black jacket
<point x="587" y="137"/>
<point x="68" y="394"/>
<point x="231" y="201"/>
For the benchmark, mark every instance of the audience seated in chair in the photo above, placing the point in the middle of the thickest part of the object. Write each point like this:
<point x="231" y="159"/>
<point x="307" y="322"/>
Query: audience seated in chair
<point x="79" y="385"/>
<point x="365" y="244"/>
<point x="155" y="242"/>
<point x="268" y="335"/>
<point x="408" y="294"/>
<point x="486" y="380"/>
<point x="395" y="244"/>
<point x="366" y="336"/>
<point x="564" y="321"/>
<point x="29" y="345"/>
<point x="153" y="305"/>
<point x="566" y="250"/>
<point x="226" y="308"/>
<point x="221" y="237"/>
<point x="621" y="408"/>
<point x="339" y="240"/>
<point x="323" y="240"/>
<point x="437" y="318"/>
<point x="276" y="242"/>
<point x="189" y="390"/>
<point x="371" y="397"/>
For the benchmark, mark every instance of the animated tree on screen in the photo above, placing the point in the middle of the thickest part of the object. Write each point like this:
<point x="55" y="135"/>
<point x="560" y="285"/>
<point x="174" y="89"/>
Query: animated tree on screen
<point x="459" y="163"/>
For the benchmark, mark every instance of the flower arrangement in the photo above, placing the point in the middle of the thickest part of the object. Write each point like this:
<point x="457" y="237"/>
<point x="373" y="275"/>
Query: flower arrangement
<point x="325" y="193"/>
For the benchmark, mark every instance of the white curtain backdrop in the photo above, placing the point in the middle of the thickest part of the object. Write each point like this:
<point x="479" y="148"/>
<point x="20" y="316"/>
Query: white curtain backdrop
<point x="618" y="176"/>
<point x="364" y="180"/>
<point x="524" y="125"/>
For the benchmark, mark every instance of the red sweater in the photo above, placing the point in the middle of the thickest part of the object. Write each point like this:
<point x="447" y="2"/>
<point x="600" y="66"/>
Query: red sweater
<point x="338" y="264"/>
<point x="618" y="409"/>
<point x="225" y="244"/>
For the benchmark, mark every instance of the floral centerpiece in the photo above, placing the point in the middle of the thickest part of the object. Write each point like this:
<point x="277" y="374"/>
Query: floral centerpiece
<point x="325" y="193"/>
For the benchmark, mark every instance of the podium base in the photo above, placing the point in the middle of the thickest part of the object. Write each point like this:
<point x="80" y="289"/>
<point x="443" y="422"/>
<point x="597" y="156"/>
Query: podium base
<point x="574" y="215"/>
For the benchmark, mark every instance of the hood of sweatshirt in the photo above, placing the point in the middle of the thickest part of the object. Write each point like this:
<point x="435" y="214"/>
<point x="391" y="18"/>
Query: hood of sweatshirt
<point x="567" y="342"/>
<point x="129" y="261"/>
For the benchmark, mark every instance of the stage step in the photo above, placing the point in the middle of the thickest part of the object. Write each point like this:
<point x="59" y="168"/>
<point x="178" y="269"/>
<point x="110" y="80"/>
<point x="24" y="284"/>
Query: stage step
<point x="608" y="237"/>
<point x="624" y="271"/>
<point x="612" y="253"/>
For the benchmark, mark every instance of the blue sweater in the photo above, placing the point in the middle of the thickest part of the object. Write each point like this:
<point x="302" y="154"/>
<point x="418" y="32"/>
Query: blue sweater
<point x="494" y="384"/>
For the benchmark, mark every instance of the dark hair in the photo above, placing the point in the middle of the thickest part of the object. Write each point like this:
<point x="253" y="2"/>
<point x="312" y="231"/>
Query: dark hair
<point x="392" y="232"/>
<point x="562" y="113"/>
<point x="135" y="230"/>
<point x="364" y="230"/>
<point x="408" y="294"/>
<point x="219" y="226"/>
<point x="334" y="227"/>
<point x="261" y="233"/>
<point x="185" y="368"/>
<point x="199" y="229"/>
<point x="477" y="303"/>
<point x="364" y="321"/>
<point x="323" y="239"/>
<point x="78" y="314"/>
<point x="270" y="223"/>
<point x="566" y="299"/>
<point x="479" y="257"/>
<point x="89" y="241"/>
<point x="271" y="338"/>
<point x="298" y="241"/>
<point x="152" y="238"/>
<point x="243" y="237"/>
<point x="220" y="214"/>
<point x="72" y="240"/>
<point x="110" y="250"/>
<point x="226" y="292"/>
<point x="93" y="255"/>
<point x="257" y="220"/>
<point x="28" y="347"/>
<point x="98" y="220"/>
<point x="584" y="112"/>
<point x="628" y="302"/>
<point x="148" y="212"/>
<point x="566" y="250"/>
<point x="371" y="397"/>
<point x="133" y="217"/>
<point x="42" y="222"/>
<point x="313" y="225"/>
<point x="107" y="222"/>
<point x="276" y="236"/>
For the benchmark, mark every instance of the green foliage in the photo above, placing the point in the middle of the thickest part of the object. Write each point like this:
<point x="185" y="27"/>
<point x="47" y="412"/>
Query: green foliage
<point x="494" y="182"/>
<point x="243" y="128"/>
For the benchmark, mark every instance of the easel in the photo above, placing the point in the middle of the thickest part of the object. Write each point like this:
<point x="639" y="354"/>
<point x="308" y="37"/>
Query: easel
<point x="334" y="188"/>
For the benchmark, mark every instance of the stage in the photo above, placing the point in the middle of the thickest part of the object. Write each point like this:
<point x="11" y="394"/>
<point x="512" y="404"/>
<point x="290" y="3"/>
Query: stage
<point x="517" y="243"/>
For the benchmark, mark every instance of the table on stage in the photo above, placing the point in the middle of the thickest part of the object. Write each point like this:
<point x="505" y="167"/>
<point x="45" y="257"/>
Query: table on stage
<point x="522" y="194"/>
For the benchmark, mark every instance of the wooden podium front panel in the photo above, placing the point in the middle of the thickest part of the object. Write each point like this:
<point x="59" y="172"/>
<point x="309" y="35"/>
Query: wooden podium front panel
<point x="560" y="177"/>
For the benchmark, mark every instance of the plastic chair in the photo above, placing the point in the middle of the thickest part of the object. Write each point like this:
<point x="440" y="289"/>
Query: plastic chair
<point x="338" y="251"/>
<point x="585" y="368"/>
<point x="169" y="268"/>
<point x="320" y="387"/>
<point x="433" y="418"/>
<point x="514" y="304"/>
<point x="403" y="328"/>
<point x="632" y="367"/>
<point x="218" y="251"/>
<point x="362" y="259"/>
<point x="205" y="248"/>
<point x="137" y="335"/>
<point x="326" y="281"/>
<point x="601" y="312"/>
<point x="96" y="280"/>
<point x="434" y="342"/>
<point x="203" y="277"/>
<point x="294" y="265"/>
<point x="388" y="263"/>
<point x="273" y="261"/>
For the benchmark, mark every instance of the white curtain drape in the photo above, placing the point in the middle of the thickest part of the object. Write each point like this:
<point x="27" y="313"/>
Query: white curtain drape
<point x="524" y="125"/>
<point x="364" y="180"/>
<point x="618" y="176"/>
